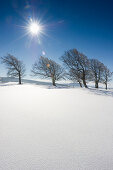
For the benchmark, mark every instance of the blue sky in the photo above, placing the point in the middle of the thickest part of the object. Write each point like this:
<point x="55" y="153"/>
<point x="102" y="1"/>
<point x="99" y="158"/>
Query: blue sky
<point x="83" y="24"/>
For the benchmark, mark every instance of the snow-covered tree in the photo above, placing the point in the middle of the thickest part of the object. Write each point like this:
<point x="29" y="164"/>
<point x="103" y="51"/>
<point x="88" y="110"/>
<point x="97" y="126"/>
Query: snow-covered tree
<point x="47" y="68"/>
<point x="15" y="67"/>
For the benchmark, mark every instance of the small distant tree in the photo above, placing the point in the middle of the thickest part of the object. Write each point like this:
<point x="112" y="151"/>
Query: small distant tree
<point x="78" y="66"/>
<point x="96" y="73"/>
<point x="15" y="67"/>
<point x="47" y="68"/>
<point x="106" y="76"/>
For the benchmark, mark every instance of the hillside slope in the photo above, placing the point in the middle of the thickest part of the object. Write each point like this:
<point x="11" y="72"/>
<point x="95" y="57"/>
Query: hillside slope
<point x="55" y="129"/>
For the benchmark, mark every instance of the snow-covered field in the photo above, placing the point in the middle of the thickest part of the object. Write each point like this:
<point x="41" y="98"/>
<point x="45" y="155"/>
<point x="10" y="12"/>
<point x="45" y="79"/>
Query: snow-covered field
<point x="44" y="128"/>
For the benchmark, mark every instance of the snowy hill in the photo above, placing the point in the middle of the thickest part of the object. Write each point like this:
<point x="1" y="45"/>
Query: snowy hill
<point x="55" y="128"/>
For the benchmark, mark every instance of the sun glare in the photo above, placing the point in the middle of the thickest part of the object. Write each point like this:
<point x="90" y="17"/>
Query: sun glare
<point x="35" y="28"/>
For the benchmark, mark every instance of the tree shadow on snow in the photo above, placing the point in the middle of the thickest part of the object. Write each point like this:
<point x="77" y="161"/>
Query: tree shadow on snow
<point x="9" y="81"/>
<point x="101" y="91"/>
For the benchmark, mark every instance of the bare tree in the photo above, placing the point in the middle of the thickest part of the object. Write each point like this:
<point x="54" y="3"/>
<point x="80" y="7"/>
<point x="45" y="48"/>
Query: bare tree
<point x="78" y="66"/>
<point x="75" y="75"/>
<point x="106" y="76"/>
<point x="15" y="67"/>
<point x="47" y="68"/>
<point x="96" y="73"/>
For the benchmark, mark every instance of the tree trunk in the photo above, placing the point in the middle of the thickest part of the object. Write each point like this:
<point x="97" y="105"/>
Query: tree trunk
<point x="96" y="84"/>
<point x="84" y="82"/>
<point x="19" y="78"/>
<point x="80" y="83"/>
<point x="53" y="81"/>
<point x="106" y="86"/>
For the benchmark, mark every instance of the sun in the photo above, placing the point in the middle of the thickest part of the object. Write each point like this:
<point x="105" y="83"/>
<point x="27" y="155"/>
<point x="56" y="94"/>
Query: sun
<point x="35" y="28"/>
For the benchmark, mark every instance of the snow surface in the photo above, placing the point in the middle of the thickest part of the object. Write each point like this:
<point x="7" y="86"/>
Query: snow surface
<point x="45" y="128"/>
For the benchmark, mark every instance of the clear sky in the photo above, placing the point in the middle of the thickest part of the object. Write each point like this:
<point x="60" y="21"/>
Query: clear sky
<point x="83" y="24"/>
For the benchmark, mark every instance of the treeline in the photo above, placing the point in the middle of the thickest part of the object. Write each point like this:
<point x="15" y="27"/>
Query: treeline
<point x="78" y="67"/>
<point x="83" y="70"/>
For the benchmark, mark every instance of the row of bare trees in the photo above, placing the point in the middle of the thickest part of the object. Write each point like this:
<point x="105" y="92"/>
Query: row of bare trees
<point x="78" y="68"/>
<point x="44" y="68"/>
<point x="83" y="70"/>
